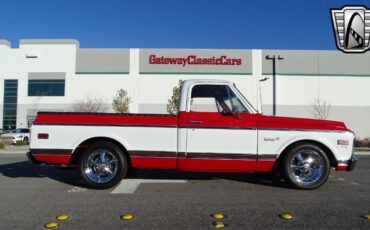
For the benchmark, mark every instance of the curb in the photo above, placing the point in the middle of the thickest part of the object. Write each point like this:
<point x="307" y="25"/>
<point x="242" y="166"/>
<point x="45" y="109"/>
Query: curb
<point x="362" y="153"/>
<point x="362" y="149"/>
<point x="13" y="152"/>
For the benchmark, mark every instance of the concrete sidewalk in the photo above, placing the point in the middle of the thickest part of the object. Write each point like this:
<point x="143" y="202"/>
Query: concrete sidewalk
<point x="12" y="149"/>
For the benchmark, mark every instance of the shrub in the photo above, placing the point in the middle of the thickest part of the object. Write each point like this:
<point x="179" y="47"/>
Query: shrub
<point x="20" y="143"/>
<point x="6" y="140"/>
<point x="89" y="105"/>
<point x="173" y="103"/>
<point x="2" y="145"/>
<point x="121" y="102"/>
<point x="362" y="143"/>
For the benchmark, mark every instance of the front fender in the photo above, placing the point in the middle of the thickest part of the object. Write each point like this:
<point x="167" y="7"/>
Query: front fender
<point x="293" y="140"/>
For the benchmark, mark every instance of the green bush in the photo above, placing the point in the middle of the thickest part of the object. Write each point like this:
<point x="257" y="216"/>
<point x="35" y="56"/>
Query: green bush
<point x="20" y="143"/>
<point x="362" y="143"/>
<point x="6" y="140"/>
<point x="121" y="102"/>
<point x="173" y="103"/>
<point x="2" y="145"/>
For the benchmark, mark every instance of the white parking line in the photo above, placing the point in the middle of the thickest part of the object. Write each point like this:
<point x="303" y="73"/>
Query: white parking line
<point x="129" y="186"/>
<point x="77" y="189"/>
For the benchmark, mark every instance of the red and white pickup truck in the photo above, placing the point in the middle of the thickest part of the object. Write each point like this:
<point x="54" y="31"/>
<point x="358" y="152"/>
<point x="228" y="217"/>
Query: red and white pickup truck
<point x="216" y="130"/>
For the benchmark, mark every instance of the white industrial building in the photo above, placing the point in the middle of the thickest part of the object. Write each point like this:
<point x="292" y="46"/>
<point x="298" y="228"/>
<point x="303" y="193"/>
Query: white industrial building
<point x="51" y="75"/>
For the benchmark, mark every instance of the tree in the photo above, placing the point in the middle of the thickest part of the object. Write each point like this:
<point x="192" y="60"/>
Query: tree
<point x="173" y="103"/>
<point x="89" y="105"/>
<point x="320" y="109"/>
<point x="121" y="102"/>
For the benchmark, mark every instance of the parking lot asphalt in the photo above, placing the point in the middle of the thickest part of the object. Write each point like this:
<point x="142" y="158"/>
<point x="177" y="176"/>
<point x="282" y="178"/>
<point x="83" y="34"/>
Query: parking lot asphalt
<point x="33" y="195"/>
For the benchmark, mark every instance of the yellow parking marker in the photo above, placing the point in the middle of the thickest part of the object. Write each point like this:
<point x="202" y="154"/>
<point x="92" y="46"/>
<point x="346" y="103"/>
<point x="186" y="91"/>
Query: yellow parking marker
<point x="367" y="217"/>
<point x="51" y="225"/>
<point x="127" y="217"/>
<point x="286" y="216"/>
<point x="218" y="216"/>
<point x="62" y="217"/>
<point x="218" y="224"/>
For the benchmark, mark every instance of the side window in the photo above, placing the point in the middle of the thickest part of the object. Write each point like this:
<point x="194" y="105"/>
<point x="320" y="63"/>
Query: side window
<point x="208" y="98"/>
<point x="215" y="98"/>
<point x="203" y="104"/>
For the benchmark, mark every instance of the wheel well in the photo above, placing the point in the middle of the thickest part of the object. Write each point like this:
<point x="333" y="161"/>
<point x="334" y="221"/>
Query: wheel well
<point x="327" y="151"/>
<point x="84" y="145"/>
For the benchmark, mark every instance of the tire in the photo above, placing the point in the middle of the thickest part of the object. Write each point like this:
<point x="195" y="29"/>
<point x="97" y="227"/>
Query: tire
<point x="306" y="166"/>
<point x="26" y="140"/>
<point x="103" y="165"/>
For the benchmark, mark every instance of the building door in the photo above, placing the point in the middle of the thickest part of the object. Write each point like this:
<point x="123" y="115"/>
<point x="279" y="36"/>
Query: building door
<point x="10" y="104"/>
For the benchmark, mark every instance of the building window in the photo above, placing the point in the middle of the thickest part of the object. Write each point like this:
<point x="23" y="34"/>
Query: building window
<point x="10" y="104"/>
<point x="46" y="87"/>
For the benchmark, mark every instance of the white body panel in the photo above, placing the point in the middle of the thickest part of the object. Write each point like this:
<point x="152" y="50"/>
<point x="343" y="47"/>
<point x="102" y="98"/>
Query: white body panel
<point x="133" y="138"/>
<point x="241" y="141"/>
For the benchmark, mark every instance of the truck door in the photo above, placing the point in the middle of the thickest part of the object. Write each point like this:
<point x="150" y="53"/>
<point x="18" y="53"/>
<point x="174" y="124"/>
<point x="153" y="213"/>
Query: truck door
<point x="221" y="133"/>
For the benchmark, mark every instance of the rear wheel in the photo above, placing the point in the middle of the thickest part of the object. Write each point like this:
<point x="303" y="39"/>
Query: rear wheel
<point x="25" y="139"/>
<point x="306" y="166"/>
<point x="103" y="165"/>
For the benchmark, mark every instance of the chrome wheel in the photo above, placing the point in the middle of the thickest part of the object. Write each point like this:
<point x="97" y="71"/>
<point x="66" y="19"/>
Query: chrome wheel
<point x="307" y="167"/>
<point x="101" y="166"/>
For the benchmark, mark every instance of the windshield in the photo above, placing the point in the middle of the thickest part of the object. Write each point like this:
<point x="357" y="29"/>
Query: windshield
<point x="249" y="104"/>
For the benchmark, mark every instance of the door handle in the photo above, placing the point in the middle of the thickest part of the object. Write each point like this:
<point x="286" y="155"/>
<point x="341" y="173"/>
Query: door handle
<point x="195" y="122"/>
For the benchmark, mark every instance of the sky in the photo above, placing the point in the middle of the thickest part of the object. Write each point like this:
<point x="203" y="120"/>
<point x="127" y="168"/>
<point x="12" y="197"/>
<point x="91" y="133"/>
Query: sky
<point x="229" y="24"/>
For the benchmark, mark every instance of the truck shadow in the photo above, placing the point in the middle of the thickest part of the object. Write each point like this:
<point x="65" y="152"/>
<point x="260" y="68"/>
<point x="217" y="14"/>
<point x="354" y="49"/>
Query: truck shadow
<point x="265" y="179"/>
<point x="72" y="177"/>
<point x="27" y="169"/>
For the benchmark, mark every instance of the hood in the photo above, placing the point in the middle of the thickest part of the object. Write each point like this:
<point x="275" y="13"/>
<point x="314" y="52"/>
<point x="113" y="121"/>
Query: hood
<point x="274" y="122"/>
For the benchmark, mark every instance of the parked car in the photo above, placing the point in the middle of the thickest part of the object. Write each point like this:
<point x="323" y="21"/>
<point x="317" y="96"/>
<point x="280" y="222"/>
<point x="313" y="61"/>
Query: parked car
<point x="22" y="134"/>
<point x="216" y="130"/>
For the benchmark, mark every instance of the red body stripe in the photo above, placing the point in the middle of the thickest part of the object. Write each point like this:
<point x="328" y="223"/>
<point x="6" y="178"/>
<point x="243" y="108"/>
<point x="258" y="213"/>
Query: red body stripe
<point x="53" y="159"/>
<point x="105" y="119"/>
<point x="208" y="119"/>
<point x="207" y="165"/>
<point x="215" y="120"/>
<point x="264" y="165"/>
<point x="221" y="165"/>
<point x="149" y="162"/>
<point x="273" y="122"/>
<point x="257" y="121"/>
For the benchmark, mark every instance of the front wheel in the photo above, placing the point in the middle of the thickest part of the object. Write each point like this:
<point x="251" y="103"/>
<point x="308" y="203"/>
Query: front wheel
<point x="103" y="165"/>
<point x="306" y="166"/>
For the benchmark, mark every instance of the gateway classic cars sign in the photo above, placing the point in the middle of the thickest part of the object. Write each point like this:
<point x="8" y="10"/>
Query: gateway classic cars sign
<point x="195" y="61"/>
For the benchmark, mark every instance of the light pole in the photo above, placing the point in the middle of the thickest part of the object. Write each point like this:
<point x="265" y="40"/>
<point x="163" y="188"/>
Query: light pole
<point x="273" y="58"/>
